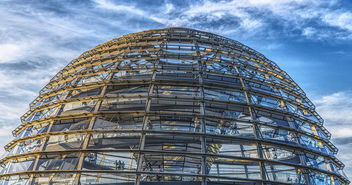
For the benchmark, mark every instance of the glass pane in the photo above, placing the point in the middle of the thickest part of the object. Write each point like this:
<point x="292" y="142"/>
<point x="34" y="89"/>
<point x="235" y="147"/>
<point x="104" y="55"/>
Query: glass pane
<point x="107" y="178"/>
<point x="271" y="118"/>
<point x="236" y="148"/>
<point x="175" y="105"/>
<point x="229" y="128"/>
<point x="110" y="161"/>
<point x="114" y="141"/>
<point x="67" y="162"/>
<point x="15" y="179"/>
<point x="320" y="179"/>
<point x="284" y="173"/>
<point x="83" y="92"/>
<point x="70" y="124"/>
<point x="41" y="114"/>
<point x="18" y="166"/>
<point x="118" y="122"/>
<point x="238" y="112"/>
<point x="280" y="154"/>
<point x="233" y="168"/>
<point x="64" y="142"/>
<point x="317" y="162"/>
<point x="58" y="178"/>
<point x="171" y="163"/>
<point x="30" y="145"/>
<point x="168" y="90"/>
<point x="123" y="104"/>
<point x="226" y="95"/>
<point x="127" y="90"/>
<point x="33" y="130"/>
<point x="174" y="123"/>
<point x="170" y="142"/>
<point x="78" y="107"/>
<point x="277" y="134"/>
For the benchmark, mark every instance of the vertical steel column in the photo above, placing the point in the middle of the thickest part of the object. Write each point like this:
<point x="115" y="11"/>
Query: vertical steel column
<point x="292" y="125"/>
<point x="255" y="128"/>
<point x="90" y="127"/>
<point x="202" y="113"/>
<point x="245" y="166"/>
<point x="146" y="116"/>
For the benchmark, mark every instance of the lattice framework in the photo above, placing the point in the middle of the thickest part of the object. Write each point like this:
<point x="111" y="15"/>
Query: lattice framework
<point x="172" y="104"/>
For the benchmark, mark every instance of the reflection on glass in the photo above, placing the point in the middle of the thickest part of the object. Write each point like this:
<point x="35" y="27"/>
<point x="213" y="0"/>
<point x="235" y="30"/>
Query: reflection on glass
<point x="266" y="102"/>
<point x="15" y="180"/>
<point x="114" y="141"/>
<point x="56" y="178"/>
<point x="110" y="161"/>
<point x="282" y="173"/>
<point x="229" y="128"/>
<point x="78" y="107"/>
<point x="321" y="179"/>
<point x="280" y="154"/>
<point x="168" y="90"/>
<point x="271" y="118"/>
<point x="64" y="142"/>
<point x="317" y="161"/>
<point x="172" y="143"/>
<point x="127" y="90"/>
<point x="277" y="134"/>
<point x="42" y="114"/>
<point x="33" y="130"/>
<point x="14" y="166"/>
<point x="233" y="168"/>
<point x="123" y="104"/>
<point x="83" y="92"/>
<point x="170" y="163"/>
<point x="70" y="124"/>
<point x="31" y="145"/>
<point x="106" y="178"/>
<point x="227" y="95"/>
<point x="232" y="148"/>
<point x="59" y="163"/>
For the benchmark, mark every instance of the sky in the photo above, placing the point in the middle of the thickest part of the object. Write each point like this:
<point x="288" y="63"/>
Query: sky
<point x="309" y="39"/>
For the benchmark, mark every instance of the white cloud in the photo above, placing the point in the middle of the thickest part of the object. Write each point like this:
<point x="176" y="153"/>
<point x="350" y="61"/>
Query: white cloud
<point x="309" y="32"/>
<point x="10" y="51"/>
<point x="169" y="8"/>
<point x="336" y="108"/>
<point x="105" y="4"/>
<point x="340" y="19"/>
<point x="5" y="136"/>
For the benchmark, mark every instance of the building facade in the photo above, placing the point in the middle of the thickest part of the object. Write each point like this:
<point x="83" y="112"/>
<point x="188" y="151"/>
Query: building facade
<point x="171" y="106"/>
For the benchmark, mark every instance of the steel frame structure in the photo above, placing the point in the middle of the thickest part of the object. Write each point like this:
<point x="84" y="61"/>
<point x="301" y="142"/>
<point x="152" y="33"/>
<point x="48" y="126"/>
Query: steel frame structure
<point x="171" y="105"/>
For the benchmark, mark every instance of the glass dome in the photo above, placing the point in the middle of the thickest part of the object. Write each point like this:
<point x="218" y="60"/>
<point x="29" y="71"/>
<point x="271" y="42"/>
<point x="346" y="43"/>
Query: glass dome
<point x="171" y="106"/>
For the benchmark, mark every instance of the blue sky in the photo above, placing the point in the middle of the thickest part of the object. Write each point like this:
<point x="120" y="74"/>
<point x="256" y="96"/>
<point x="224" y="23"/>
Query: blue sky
<point x="309" y="39"/>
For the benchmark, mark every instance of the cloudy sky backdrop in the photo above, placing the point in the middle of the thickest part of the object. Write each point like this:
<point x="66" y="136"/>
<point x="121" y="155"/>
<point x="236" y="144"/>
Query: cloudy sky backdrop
<point x="309" y="39"/>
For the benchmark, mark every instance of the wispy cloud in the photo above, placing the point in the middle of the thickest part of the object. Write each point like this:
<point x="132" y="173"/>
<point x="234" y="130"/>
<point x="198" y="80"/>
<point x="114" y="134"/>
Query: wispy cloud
<point x="130" y="9"/>
<point x="313" y="19"/>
